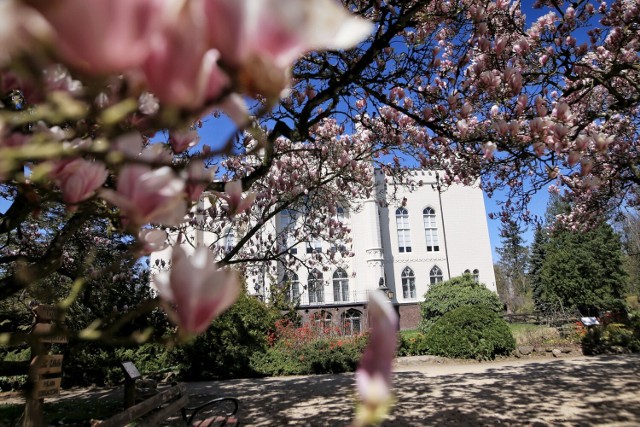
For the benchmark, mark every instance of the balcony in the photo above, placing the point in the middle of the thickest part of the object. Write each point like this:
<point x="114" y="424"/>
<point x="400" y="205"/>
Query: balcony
<point x="354" y="297"/>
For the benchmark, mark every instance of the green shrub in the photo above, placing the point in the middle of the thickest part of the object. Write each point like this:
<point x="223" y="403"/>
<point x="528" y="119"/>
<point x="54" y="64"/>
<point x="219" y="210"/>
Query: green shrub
<point x="412" y="343"/>
<point x="444" y="297"/>
<point x="88" y="363"/>
<point x="225" y="350"/>
<point x="611" y="338"/>
<point x="308" y="349"/>
<point x="14" y="354"/>
<point x="470" y="332"/>
<point x="324" y="355"/>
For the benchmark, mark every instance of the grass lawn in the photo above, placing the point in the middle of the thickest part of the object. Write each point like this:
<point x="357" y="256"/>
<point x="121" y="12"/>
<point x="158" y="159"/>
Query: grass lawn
<point x="538" y="335"/>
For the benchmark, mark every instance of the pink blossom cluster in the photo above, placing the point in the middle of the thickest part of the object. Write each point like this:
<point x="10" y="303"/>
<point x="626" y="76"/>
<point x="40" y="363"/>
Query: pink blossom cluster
<point x="86" y="85"/>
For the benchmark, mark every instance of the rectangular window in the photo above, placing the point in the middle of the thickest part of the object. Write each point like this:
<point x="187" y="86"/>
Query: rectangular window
<point x="287" y="225"/>
<point x="431" y="235"/>
<point x="430" y="230"/>
<point x="402" y="223"/>
<point x="404" y="240"/>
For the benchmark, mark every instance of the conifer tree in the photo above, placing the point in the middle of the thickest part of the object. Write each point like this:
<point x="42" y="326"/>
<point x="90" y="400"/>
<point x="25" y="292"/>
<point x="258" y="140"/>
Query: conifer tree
<point x="582" y="270"/>
<point x="536" y="260"/>
<point x="513" y="263"/>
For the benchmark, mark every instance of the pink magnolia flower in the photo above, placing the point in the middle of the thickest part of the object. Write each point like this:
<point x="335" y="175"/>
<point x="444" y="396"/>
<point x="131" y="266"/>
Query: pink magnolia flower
<point x="261" y="39"/>
<point x="489" y="148"/>
<point x="146" y="195"/>
<point x="20" y="26"/>
<point x="102" y="36"/>
<point x="197" y="178"/>
<point x="78" y="178"/>
<point x="373" y="377"/>
<point x="182" y="140"/>
<point x="181" y="69"/>
<point x="233" y="196"/>
<point x="152" y="240"/>
<point x="198" y="289"/>
<point x="573" y="157"/>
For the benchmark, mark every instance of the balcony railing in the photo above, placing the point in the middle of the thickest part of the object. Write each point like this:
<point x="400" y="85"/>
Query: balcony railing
<point x="352" y="297"/>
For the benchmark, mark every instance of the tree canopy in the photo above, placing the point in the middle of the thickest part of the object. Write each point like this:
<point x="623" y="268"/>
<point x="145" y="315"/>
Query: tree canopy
<point x="523" y="98"/>
<point x="582" y="271"/>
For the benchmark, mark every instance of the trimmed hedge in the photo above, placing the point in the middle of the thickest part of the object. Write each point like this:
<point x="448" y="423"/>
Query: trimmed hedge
<point x="470" y="332"/>
<point x="443" y="297"/>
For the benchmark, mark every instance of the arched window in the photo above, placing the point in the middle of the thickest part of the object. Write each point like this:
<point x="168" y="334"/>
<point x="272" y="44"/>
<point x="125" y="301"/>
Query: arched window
<point x="324" y="320"/>
<point x="340" y="286"/>
<point x="408" y="284"/>
<point x="315" y="287"/>
<point x="229" y="240"/>
<point x="430" y="229"/>
<point x="293" y="287"/>
<point x="476" y="275"/>
<point x="404" y="237"/>
<point x="287" y="225"/>
<point x="435" y="275"/>
<point x="340" y="213"/>
<point x="352" y="321"/>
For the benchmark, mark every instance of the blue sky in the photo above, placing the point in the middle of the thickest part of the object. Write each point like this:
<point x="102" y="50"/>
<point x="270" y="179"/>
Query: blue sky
<point x="217" y="130"/>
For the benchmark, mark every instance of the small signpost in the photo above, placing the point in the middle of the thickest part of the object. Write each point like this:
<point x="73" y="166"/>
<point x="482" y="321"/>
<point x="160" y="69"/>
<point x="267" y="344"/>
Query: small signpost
<point x="131" y="374"/>
<point x="45" y="369"/>
<point x="46" y="387"/>
<point x="47" y="364"/>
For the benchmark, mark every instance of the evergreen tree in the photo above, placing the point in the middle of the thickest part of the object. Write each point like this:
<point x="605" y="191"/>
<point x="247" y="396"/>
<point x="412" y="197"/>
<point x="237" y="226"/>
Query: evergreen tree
<point x="513" y="263"/>
<point x="540" y="238"/>
<point x="581" y="270"/>
<point x="630" y="230"/>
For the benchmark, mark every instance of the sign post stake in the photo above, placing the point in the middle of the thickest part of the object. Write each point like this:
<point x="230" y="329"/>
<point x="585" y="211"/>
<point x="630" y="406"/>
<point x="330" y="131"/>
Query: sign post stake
<point x="42" y="365"/>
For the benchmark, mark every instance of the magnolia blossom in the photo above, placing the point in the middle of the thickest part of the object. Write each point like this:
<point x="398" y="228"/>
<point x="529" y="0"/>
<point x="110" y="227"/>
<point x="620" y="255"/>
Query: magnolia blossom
<point x="19" y="27"/>
<point x="152" y="240"/>
<point x="102" y="36"/>
<point x="78" y="178"/>
<point x="198" y="290"/>
<point x="146" y="195"/>
<point x="181" y="69"/>
<point x="261" y="39"/>
<point x="373" y="377"/>
<point x="197" y="177"/>
<point x="183" y="139"/>
<point x="489" y="148"/>
<point x="233" y="196"/>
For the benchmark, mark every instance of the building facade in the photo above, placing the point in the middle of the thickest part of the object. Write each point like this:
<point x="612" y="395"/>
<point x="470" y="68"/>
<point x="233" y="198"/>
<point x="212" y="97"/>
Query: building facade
<point x="403" y="239"/>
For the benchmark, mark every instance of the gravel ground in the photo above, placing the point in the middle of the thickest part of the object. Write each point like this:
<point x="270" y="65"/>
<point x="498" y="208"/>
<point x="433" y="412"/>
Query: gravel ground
<point x="571" y="391"/>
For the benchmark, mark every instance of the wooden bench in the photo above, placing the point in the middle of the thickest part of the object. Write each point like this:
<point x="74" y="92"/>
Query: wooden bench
<point x="156" y="409"/>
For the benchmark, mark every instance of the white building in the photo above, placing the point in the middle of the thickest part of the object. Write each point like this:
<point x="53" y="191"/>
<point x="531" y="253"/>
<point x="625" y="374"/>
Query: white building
<point x="402" y="238"/>
<point x="415" y="237"/>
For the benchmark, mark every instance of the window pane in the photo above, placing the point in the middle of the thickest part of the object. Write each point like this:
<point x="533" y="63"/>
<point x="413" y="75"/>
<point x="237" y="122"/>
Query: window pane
<point x="430" y="230"/>
<point x="408" y="284"/>
<point x="435" y="275"/>
<point x="404" y="237"/>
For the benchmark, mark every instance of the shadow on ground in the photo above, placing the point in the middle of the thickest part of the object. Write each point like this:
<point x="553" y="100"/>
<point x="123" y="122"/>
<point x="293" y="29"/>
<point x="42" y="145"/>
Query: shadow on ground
<point x="602" y="390"/>
<point x="581" y="392"/>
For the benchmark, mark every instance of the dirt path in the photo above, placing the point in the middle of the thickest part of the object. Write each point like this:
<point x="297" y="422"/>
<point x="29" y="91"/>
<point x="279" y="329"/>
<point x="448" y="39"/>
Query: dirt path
<point x="581" y="391"/>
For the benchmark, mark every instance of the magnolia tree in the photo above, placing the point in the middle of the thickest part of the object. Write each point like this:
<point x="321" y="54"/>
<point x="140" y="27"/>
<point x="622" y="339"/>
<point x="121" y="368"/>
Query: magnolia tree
<point x="523" y="99"/>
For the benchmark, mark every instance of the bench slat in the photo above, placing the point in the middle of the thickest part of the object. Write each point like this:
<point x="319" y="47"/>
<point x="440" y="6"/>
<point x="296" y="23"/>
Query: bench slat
<point x="154" y="419"/>
<point x="143" y="408"/>
<point x="218" y="422"/>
